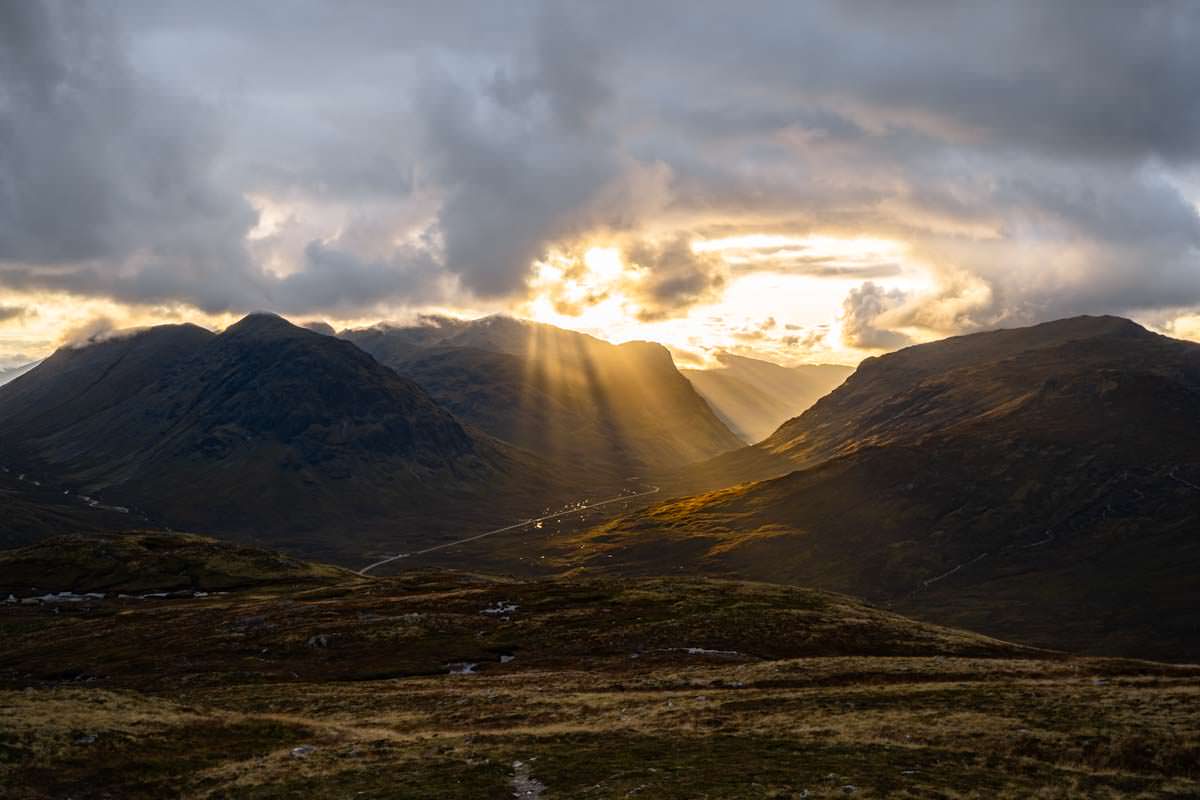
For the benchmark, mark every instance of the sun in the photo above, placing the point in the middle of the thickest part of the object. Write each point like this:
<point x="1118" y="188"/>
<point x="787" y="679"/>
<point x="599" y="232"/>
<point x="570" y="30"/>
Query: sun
<point x="603" y="263"/>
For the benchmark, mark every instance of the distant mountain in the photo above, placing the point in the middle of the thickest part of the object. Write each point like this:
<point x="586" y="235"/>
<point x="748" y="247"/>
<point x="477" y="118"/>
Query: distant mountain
<point x="10" y="373"/>
<point x="585" y="405"/>
<point x="755" y="397"/>
<point x="1041" y="484"/>
<point x="266" y="431"/>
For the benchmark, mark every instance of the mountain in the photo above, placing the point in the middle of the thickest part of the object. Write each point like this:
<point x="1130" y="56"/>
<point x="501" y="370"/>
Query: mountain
<point x="583" y="404"/>
<point x="755" y="397"/>
<point x="266" y="431"/>
<point x="1040" y="484"/>
<point x="10" y="373"/>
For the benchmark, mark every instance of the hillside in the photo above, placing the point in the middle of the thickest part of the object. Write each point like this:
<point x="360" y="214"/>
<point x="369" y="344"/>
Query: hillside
<point x="585" y="405"/>
<point x="151" y="562"/>
<point x="1041" y="484"/>
<point x="755" y="397"/>
<point x="1046" y="373"/>
<point x="265" y="431"/>
<point x="33" y="511"/>
<point x="458" y="686"/>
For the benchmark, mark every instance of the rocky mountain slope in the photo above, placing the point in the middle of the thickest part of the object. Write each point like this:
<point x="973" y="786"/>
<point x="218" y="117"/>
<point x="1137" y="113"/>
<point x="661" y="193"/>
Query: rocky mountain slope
<point x="1040" y="484"/>
<point x="584" y="404"/>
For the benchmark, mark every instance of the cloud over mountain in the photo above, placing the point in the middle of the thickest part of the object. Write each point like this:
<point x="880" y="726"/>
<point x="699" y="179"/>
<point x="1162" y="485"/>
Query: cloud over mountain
<point x="1032" y="160"/>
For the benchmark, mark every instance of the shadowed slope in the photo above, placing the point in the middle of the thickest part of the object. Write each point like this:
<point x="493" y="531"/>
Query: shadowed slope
<point x="1005" y="374"/>
<point x="1040" y="484"/>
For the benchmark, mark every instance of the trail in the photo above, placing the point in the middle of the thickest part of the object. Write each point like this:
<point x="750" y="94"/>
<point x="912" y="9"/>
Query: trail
<point x="514" y="526"/>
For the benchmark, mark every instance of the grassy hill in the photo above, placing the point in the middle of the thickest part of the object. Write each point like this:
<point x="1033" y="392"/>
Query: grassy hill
<point x="146" y="561"/>
<point x="452" y="685"/>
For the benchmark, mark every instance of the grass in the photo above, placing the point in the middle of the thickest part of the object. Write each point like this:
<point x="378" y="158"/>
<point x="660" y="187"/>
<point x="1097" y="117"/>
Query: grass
<point x="821" y="696"/>
<point x="908" y="727"/>
<point x="151" y="562"/>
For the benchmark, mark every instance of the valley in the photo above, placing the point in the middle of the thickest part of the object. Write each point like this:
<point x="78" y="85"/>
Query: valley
<point x="538" y="400"/>
<point x="577" y="510"/>
<point x="958" y="574"/>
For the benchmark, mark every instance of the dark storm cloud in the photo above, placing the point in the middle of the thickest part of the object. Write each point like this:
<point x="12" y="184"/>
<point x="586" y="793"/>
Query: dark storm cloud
<point x="528" y="158"/>
<point x="98" y="166"/>
<point x="1042" y="157"/>
<point x="339" y="280"/>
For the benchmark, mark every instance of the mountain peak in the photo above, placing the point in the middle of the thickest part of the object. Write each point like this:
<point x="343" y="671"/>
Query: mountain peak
<point x="1086" y="325"/>
<point x="258" y="322"/>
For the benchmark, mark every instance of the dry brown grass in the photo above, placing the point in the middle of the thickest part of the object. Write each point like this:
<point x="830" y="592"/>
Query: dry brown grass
<point x="603" y="699"/>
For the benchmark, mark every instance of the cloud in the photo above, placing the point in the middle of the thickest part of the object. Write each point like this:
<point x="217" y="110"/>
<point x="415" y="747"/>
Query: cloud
<point x="105" y="181"/>
<point x="1035" y="159"/>
<point x="862" y="311"/>
<point x="90" y="331"/>
<point x="533" y="161"/>
<point x="319" y="326"/>
<point x="337" y="279"/>
<point x="675" y="277"/>
<point x="12" y="312"/>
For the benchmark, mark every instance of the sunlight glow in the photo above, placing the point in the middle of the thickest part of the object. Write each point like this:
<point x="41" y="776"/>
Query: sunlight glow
<point x="767" y="251"/>
<point x="604" y="263"/>
<point x="781" y="298"/>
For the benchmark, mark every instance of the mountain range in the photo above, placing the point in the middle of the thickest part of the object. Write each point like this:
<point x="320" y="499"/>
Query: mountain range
<point x="1038" y="484"/>
<point x="265" y="431"/>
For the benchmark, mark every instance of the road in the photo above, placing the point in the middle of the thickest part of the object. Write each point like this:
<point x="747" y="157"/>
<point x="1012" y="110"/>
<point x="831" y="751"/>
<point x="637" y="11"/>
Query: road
<point x="514" y="526"/>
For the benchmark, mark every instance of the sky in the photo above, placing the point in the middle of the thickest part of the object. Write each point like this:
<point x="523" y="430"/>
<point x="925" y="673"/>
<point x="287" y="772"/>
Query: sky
<point x="805" y="182"/>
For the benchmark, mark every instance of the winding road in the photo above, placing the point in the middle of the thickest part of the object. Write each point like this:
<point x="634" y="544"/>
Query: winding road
<point x="514" y="526"/>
